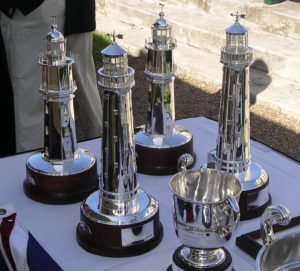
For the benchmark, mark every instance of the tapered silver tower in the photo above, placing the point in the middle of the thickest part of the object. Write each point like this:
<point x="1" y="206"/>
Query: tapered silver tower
<point x="161" y="138"/>
<point x="120" y="219"/>
<point x="233" y="144"/>
<point x="62" y="173"/>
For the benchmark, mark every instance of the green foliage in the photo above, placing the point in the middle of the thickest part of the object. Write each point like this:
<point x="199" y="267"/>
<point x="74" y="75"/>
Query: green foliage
<point x="100" y="41"/>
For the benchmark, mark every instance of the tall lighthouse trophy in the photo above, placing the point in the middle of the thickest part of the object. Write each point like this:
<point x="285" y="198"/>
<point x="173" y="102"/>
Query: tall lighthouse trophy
<point x="119" y="219"/>
<point x="161" y="138"/>
<point x="233" y="143"/>
<point x="62" y="172"/>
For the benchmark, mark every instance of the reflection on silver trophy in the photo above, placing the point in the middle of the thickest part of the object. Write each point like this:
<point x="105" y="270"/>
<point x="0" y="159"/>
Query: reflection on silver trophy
<point x="161" y="138"/>
<point x="119" y="219"/>
<point x="232" y="152"/>
<point x="280" y="254"/>
<point x="62" y="173"/>
<point x="206" y="213"/>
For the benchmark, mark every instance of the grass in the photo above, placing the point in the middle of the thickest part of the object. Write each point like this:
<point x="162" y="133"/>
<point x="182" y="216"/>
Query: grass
<point x="100" y="41"/>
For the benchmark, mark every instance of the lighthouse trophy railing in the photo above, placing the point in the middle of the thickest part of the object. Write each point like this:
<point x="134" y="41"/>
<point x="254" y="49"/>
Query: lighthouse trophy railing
<point x="161" y="138"/>
<point x="232" y="152"/>
<point x="119" y="219"/>
<point x="62" y="172"/>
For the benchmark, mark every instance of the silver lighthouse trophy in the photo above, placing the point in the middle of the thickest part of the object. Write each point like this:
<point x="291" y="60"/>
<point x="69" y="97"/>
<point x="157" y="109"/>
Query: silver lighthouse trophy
<point x="161" y="138"/>
<point x="119" y="219"/>
<point x="232" y="152"/>
<point x="62" y="172"/>
<point x="205" y="213"/>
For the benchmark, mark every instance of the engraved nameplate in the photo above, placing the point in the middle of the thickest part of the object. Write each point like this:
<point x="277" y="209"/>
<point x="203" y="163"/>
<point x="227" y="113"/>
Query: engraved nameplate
<point x="139" y="234"/>
<point x="192" y="236"/>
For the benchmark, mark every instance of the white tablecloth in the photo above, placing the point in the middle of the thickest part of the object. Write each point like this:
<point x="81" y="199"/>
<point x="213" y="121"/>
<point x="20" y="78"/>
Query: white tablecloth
<point x="55" y="226"/>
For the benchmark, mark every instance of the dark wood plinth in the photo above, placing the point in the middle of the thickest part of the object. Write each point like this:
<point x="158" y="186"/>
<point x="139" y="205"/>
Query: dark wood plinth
<point x="164" y="161"/>
<point x="255" y="211"/>
<point x="60" y="189"/>
<point x="182" y="265"/>
<point x="105" y="240"/>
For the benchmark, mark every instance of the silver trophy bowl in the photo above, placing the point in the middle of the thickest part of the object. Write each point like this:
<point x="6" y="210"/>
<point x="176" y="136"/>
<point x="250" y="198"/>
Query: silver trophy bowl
<point x="205" y="212"/>
<point x="280" y="254"/>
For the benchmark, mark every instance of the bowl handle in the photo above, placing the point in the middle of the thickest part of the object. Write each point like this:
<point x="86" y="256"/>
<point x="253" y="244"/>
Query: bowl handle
<point x="230" y="209"/>
<point x="233" y="215"/>
<point x="282" y="216"/>
<point x="184" y="161"/>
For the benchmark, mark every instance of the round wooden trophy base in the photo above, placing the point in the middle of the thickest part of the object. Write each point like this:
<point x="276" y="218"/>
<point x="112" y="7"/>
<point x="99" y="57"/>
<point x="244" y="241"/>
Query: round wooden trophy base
<point x="249" y="211"/>
<point x="178" y="264"/>
<point x="255" y="212"/>
<point x="64" y="189"/>
<point x="97" y="235"/>
<point x="255" y="196"/>
<point x="155" y="160"/>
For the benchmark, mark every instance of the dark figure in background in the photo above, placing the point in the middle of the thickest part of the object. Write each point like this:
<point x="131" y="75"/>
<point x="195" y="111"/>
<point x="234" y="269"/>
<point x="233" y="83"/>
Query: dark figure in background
<point x="24" y="25"/>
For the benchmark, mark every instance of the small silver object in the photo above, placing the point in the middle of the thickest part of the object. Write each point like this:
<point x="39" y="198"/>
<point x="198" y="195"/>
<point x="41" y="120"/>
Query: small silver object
<point x="280" y="254"/>
<point x="2" y="211"/>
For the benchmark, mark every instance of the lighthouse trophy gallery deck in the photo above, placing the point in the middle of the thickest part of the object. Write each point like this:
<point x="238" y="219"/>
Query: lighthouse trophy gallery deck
<point x="232" y="153"/>
<point x="161" y="142"/>
<point x="62" y="172"/>
<point x="119" y="219"/>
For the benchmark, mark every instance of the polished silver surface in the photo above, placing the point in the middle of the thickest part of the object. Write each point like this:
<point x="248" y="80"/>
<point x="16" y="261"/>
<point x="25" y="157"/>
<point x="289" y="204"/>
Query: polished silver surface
<point x="61" y="155"/>
<point x="180" y="136"/>
<point x="160" y="131"/>
<point x="280" y="254"/>
<point x="207" y="259"/>
<point x="206" y="212"/>
<point x="233" y="143"/>
<point x="254" y="177"/>
<point x="176" y="268"/>
<point x="118" y="172"/>
<point x="131" y="236"/>
<point x="281" y="214"/>
<point x="82" y="161"/>
<point x="116" y="213"/>
<point x="185" y="161"/>
<point x="119" y="200"/>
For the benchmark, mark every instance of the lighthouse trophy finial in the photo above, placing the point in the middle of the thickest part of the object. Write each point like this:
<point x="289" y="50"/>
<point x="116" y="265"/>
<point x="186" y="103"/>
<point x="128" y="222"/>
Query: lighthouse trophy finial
<point x="161" y="14"/>
<point x="238" y="16"/>
<point x="114" y="36"/>
<point x="53" y="25"/>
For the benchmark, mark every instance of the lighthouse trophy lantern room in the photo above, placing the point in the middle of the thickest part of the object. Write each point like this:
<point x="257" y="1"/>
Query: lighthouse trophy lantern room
<point x="119" y="219"/>
<point x="232" y="152"/>
<point x="62" y="172"/>
<point x="161" y="142"/>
